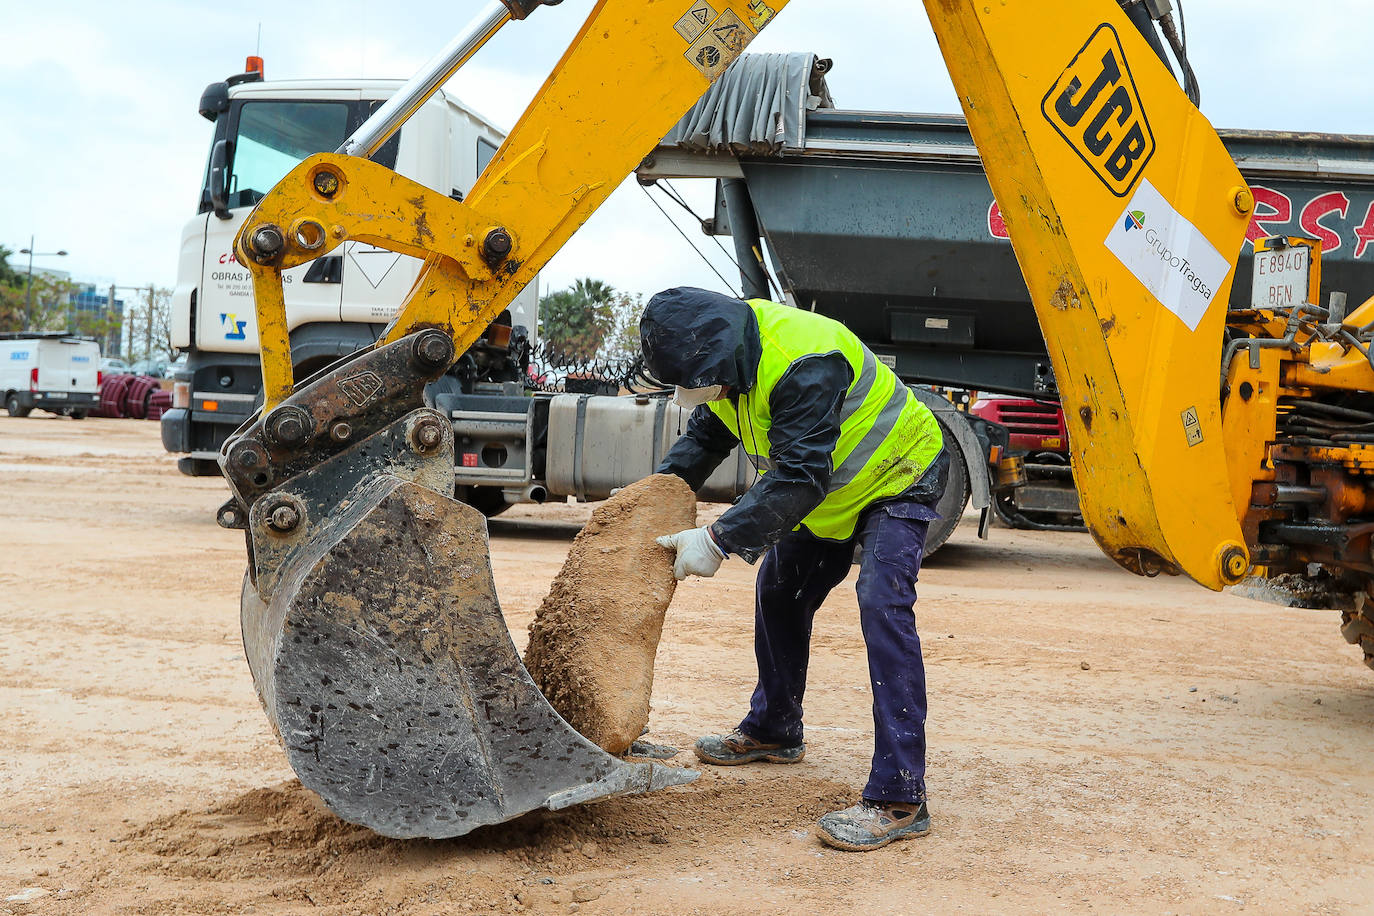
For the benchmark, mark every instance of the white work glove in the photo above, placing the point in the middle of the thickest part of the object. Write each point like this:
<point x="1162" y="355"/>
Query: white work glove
<point x="697" y="552"/>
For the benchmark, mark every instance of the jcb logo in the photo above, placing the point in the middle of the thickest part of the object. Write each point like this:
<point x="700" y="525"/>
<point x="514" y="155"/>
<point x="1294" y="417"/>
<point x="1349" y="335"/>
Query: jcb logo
<point x="1095" y="107"/>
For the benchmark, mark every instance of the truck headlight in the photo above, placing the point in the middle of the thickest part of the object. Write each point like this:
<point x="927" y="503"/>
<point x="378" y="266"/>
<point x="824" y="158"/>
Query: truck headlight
<point x="181" y="394"/>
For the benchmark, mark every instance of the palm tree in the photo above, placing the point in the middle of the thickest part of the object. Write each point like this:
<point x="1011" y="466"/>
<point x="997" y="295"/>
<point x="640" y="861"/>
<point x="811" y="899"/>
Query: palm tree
<point x="593" y="292"/>
<point x="576" y="320"/>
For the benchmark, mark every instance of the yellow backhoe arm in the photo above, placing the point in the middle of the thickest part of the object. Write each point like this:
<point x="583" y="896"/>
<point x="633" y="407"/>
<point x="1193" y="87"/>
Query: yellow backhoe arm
<point x="1127" y="216"/>
<point x="630" y="73"/>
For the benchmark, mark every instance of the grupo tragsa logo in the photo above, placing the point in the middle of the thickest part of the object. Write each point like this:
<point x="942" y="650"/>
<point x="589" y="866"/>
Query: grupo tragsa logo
<point x="1135" y="219"/>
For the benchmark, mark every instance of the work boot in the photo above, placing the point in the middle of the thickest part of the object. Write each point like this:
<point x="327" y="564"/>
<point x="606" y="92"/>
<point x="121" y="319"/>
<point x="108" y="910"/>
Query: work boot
<point x="872" y="825"/>
<point x="737" y="747"/>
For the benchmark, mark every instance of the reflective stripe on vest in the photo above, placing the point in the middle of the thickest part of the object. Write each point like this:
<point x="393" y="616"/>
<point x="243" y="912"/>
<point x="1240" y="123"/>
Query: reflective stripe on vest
<point x="887" y="437"/>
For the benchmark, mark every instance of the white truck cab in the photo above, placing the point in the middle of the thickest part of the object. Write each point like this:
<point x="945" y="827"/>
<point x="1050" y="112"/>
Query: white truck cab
<point x="335" y="304"/>
<point x="49" y="371"/>
<point x="510" y="445"/>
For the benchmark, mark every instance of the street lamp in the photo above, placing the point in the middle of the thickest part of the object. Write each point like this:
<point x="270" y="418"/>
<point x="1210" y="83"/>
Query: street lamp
<point x="28" y="294"/>
<point x="148" y="346"/>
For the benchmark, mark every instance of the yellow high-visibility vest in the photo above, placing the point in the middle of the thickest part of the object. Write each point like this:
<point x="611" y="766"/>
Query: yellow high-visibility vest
<point x="887" y="437"/>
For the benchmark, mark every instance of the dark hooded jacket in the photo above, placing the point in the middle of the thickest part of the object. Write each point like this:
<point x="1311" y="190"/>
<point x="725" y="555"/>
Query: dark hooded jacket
<point x="696" y="338"/>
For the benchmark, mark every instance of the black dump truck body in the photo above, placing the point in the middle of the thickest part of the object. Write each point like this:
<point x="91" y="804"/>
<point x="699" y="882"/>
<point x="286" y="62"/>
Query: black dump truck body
<point x="886" y="222"/>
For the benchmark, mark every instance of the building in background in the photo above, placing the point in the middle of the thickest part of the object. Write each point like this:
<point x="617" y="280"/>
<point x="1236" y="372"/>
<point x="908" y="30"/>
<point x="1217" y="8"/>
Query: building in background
<point x="93" y="308"/>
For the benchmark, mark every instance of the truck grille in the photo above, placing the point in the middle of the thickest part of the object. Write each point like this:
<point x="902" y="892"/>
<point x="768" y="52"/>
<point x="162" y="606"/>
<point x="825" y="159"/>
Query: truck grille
<point x="1034" y="426"/>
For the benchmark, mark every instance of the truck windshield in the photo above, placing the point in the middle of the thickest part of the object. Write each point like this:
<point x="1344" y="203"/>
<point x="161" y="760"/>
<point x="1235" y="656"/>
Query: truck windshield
<point x="275" y="135"/>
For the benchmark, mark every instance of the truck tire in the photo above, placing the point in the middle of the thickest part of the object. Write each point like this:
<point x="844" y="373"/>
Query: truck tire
<point x="1358" y="630"/>
<point x="198" y="467"/>
<point x="13" y="408"/>
<point x="489" y="501"/>
<point x="952" y="504"/>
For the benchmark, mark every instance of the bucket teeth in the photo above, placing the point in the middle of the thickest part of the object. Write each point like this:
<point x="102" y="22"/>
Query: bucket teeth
<point x="385" y="665"/>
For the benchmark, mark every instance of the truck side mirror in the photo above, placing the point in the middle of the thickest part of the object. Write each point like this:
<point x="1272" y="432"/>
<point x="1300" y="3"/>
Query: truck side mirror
<point x="219" y="179"/>
<point x="214" y="101"/>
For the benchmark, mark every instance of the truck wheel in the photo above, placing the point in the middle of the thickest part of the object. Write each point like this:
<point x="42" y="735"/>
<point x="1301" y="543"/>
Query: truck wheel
<point x="198" y="467"/>
<point x="951" y="506"/>
<point x="13" y="409"/>
<point x="488" y="500"/>
<point x="1358" y="630"/>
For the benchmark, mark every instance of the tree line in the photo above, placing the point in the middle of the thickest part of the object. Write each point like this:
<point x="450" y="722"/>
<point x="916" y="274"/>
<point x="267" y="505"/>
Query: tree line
<point x="49" y="307"/>
<point x="590" y="320"/>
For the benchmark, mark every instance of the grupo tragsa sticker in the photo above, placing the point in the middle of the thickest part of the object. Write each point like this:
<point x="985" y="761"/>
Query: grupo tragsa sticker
<point x="1168" y="254"/>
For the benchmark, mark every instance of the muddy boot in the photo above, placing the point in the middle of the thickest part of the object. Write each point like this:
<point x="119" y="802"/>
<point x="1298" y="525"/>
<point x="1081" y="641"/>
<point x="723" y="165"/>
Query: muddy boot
<point x="872" y="825"/>
<point x="737" y="747"/>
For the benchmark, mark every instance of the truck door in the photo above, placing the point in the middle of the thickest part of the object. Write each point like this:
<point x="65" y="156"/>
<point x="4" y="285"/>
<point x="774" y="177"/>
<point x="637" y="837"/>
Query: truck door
<point x="269" y="137"/>
<point x="376" y="281"/>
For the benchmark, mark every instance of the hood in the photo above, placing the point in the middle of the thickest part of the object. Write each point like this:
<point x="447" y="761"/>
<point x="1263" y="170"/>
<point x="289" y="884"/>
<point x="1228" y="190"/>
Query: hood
<point x="694" y="338"/>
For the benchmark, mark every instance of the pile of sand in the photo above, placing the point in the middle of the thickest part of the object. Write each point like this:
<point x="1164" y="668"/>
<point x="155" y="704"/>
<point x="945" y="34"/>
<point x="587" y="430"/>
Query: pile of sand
<point x="593" y="641"/>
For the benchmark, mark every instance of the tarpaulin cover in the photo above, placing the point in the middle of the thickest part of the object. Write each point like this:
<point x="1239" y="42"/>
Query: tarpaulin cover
<point x="758" y="106"/>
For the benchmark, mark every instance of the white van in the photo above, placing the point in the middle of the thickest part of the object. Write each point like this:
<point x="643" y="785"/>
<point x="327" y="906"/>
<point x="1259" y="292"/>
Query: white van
<point x="52" y="372"/>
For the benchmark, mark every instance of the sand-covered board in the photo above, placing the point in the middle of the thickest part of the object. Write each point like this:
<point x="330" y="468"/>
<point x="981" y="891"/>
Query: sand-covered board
<point x="593" y="641"/>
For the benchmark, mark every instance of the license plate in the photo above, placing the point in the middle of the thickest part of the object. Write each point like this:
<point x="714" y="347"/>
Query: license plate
<point x="1281" y="277"/>
<point x="57" y="395"/>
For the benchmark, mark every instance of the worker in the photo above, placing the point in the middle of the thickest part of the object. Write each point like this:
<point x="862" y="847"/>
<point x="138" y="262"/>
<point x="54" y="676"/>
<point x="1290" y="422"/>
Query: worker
<point x="846" y="456"/>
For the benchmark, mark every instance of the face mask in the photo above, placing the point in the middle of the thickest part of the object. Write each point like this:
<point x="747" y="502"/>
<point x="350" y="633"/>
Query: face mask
<point x="695" y="397"/>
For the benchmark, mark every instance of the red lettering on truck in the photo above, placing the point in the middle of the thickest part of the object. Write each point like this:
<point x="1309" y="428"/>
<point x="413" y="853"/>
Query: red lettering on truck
<point x="1317" y="209"/>
<point x="1364" y="234"/>
<point x="1280" y="211"/>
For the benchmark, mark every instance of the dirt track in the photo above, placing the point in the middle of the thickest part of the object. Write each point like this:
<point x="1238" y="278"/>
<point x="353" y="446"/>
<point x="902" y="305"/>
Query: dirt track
<point x="1074" y="766"/>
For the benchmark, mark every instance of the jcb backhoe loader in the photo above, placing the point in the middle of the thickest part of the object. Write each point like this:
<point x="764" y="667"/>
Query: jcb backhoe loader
<point x="1204" y="443"/>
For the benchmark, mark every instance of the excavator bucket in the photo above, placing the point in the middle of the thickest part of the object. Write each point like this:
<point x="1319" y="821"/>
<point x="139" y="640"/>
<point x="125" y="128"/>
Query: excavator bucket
<point x="373" y="631"/>
<point x="370" y="620"/>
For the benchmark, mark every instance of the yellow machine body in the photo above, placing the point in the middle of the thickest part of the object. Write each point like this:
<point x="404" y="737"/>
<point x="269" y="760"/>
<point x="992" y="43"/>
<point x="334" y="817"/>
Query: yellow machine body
<point x="1202" y="442"/>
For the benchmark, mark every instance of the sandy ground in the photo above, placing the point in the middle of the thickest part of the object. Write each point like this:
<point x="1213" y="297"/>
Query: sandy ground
<point x="1099" y="743"/>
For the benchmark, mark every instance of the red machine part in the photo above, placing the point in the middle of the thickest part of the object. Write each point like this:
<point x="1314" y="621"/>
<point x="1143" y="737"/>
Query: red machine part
<point x="159" y="402"/>
<point x="136" y="396"/>
<point x="1035" y="426"/>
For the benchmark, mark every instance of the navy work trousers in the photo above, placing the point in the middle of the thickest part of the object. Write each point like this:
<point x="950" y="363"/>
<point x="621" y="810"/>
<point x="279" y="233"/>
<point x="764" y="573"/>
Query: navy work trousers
<point x="795" y="577"/>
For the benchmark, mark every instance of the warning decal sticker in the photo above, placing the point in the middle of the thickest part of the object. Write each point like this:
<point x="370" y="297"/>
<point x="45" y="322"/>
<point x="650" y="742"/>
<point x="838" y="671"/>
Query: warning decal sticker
<point x="695" y="20"/>
<point x="374" y="263"/>
<point x="718" y="46"/>
<point x="759" y="14"/>
<point x="1192" y="429"/>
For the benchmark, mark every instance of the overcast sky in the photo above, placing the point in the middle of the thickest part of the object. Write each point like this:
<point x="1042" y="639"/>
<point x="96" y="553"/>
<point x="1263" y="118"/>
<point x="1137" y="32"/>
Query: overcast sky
<point x="103" y="150"/>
